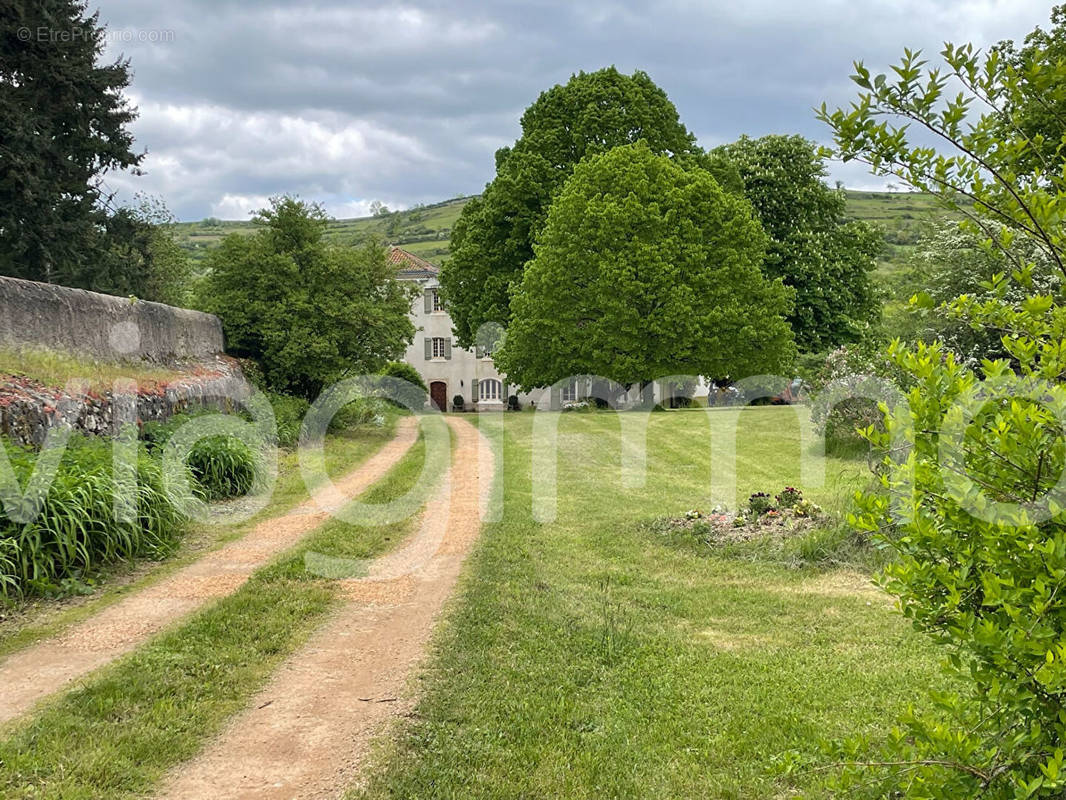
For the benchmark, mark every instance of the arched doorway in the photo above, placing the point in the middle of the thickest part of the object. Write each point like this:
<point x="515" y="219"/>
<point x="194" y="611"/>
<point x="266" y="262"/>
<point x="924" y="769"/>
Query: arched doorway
<point x="438" y="395"/>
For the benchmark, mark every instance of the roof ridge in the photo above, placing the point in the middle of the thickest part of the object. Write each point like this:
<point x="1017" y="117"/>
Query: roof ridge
<point x="409" y="262"/>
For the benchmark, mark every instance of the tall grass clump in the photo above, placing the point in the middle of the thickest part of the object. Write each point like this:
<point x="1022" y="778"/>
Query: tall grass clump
<point x="222" y="466"/>
<point x="77" y="530"/>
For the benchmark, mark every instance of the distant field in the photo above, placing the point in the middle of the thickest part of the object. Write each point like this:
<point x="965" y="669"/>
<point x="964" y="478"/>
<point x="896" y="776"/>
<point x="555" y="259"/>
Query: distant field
<point x="903" y="216"/>
<point x="427" y="230"/>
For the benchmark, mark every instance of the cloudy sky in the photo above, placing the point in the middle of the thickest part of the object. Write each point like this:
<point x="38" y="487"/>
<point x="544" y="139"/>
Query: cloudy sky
<point x="348" y="102"/>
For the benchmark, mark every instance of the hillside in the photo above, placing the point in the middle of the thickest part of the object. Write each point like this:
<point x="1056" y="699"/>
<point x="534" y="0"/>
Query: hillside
<point x="903" y="216"/>
<point x="426" y="230"/>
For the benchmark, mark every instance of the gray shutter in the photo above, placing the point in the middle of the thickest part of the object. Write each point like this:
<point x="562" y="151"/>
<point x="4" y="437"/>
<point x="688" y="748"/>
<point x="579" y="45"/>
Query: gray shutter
<point x="448" y="348"/>
<point x="428" y="295"/>
<point x="429" y="348"/>
<point x="473" y="389"/>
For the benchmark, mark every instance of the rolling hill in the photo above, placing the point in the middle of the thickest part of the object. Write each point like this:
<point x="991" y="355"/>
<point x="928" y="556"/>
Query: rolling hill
<point x="426" y="230"/>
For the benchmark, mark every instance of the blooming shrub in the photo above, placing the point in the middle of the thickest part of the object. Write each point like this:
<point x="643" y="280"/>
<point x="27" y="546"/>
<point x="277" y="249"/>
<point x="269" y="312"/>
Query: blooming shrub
<point x="855" y="372"/>
<point x="789" y="497"/>
<point x="759" y="503"/>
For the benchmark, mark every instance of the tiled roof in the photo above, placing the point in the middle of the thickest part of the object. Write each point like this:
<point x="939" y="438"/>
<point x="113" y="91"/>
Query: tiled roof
<point x="410" y="265"/>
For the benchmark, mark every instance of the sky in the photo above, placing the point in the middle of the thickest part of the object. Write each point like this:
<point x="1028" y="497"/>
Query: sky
<point x="346" y="102"/>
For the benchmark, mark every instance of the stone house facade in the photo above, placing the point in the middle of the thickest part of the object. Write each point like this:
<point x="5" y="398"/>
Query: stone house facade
<point x="448" y="369"/>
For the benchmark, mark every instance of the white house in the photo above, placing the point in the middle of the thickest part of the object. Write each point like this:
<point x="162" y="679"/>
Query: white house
<point x="447" y="369"/>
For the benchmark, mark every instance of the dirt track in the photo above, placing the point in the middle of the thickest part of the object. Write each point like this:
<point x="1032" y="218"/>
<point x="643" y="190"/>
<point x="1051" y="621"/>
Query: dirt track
<point x="307" y="733"/>
<point x="32" y="674"/>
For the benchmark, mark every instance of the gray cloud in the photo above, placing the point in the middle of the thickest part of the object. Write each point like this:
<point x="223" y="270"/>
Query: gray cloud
<point x="406" y="102"/>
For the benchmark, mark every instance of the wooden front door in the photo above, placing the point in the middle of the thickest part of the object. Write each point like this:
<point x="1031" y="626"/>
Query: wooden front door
<point x="438" y="394"/>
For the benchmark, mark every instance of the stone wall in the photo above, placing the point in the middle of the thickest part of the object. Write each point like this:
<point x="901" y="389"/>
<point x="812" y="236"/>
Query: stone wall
<point x="100" y="327"/>
<point x="103" y="327"/>
<point x="28" y="409"/>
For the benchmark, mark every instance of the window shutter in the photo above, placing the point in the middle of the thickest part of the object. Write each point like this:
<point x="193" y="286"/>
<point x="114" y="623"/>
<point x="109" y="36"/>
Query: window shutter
<point x="429" y="348"/>
<point x="473" y="388"/>
<point x="447" y="348"/>
<point x="428" y="295"/>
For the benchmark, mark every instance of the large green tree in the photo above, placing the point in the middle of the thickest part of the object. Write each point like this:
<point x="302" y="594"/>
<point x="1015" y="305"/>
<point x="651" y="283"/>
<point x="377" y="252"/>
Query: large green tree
<point x="140" y="257"/>
<point x="973" y="501"/>
<point x="646" y="268"/>
<point x="1034" y="111"/>
<point x="64" y="119"/>
<point x="813" y="247"/>
<point x="309" y="312"/>
<point x="493" y="238"/>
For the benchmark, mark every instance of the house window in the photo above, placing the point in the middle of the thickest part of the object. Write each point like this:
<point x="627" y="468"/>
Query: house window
<point x="436" y="303"/>
<point x="570" y="391"/>
<point x="440" y="347"/>
<point x="489" y="389"/>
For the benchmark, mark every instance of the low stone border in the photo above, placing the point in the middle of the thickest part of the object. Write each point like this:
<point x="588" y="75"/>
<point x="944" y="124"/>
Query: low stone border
<point x="29" y="409"/>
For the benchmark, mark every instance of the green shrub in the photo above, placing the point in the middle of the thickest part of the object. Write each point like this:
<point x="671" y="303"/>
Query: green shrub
<point x="790" y="496"/>
<point x="856" y="367"/>
<point x="972" y="505"/>
<point x="415" y="397"/>
<point x="360" y="412"/>
<point x="759" y="503"/>
<point x="76" y="531"/>
<point x="289" y="413"/>
<point x="221" y="466"/>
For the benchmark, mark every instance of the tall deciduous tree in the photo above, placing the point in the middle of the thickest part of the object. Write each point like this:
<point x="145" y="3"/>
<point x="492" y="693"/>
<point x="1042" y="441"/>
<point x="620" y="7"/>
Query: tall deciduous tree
<point x="973" y="506"/>
<point x="309" y="312"/>
<point x="813" y="247"/>
<point x="646" y="268"/>
<point x="493" y="239"/>
<point x="1035" y="111"/>
<point x="64" y="121"/>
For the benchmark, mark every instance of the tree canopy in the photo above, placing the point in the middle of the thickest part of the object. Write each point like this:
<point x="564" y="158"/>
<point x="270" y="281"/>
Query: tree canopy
<point x="64" y="120"/>
<point x="310" y="313"/>
<point x="972" y="462"/>
<point x="493" y="239"/>
<point x="1034" y="109"/>
<point x="812" y="247"/>
<point x="646" y="268"/>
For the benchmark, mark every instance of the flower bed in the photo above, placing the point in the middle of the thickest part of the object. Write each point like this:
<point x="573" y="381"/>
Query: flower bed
<point x="781" y="516"/>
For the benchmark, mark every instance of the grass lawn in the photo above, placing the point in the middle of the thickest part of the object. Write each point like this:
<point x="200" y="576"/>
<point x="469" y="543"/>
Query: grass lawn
<point x="589" y="658"/>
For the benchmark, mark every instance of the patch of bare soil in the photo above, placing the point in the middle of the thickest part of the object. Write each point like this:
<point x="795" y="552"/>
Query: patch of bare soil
<point x="308" y="732"/>
<point x="32" y="674"/>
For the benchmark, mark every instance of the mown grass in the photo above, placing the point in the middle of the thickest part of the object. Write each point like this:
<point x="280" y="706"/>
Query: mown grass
<point x="21" y="624"/>
<point x="586" y="658"/>
<point x="116" y="736"/>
